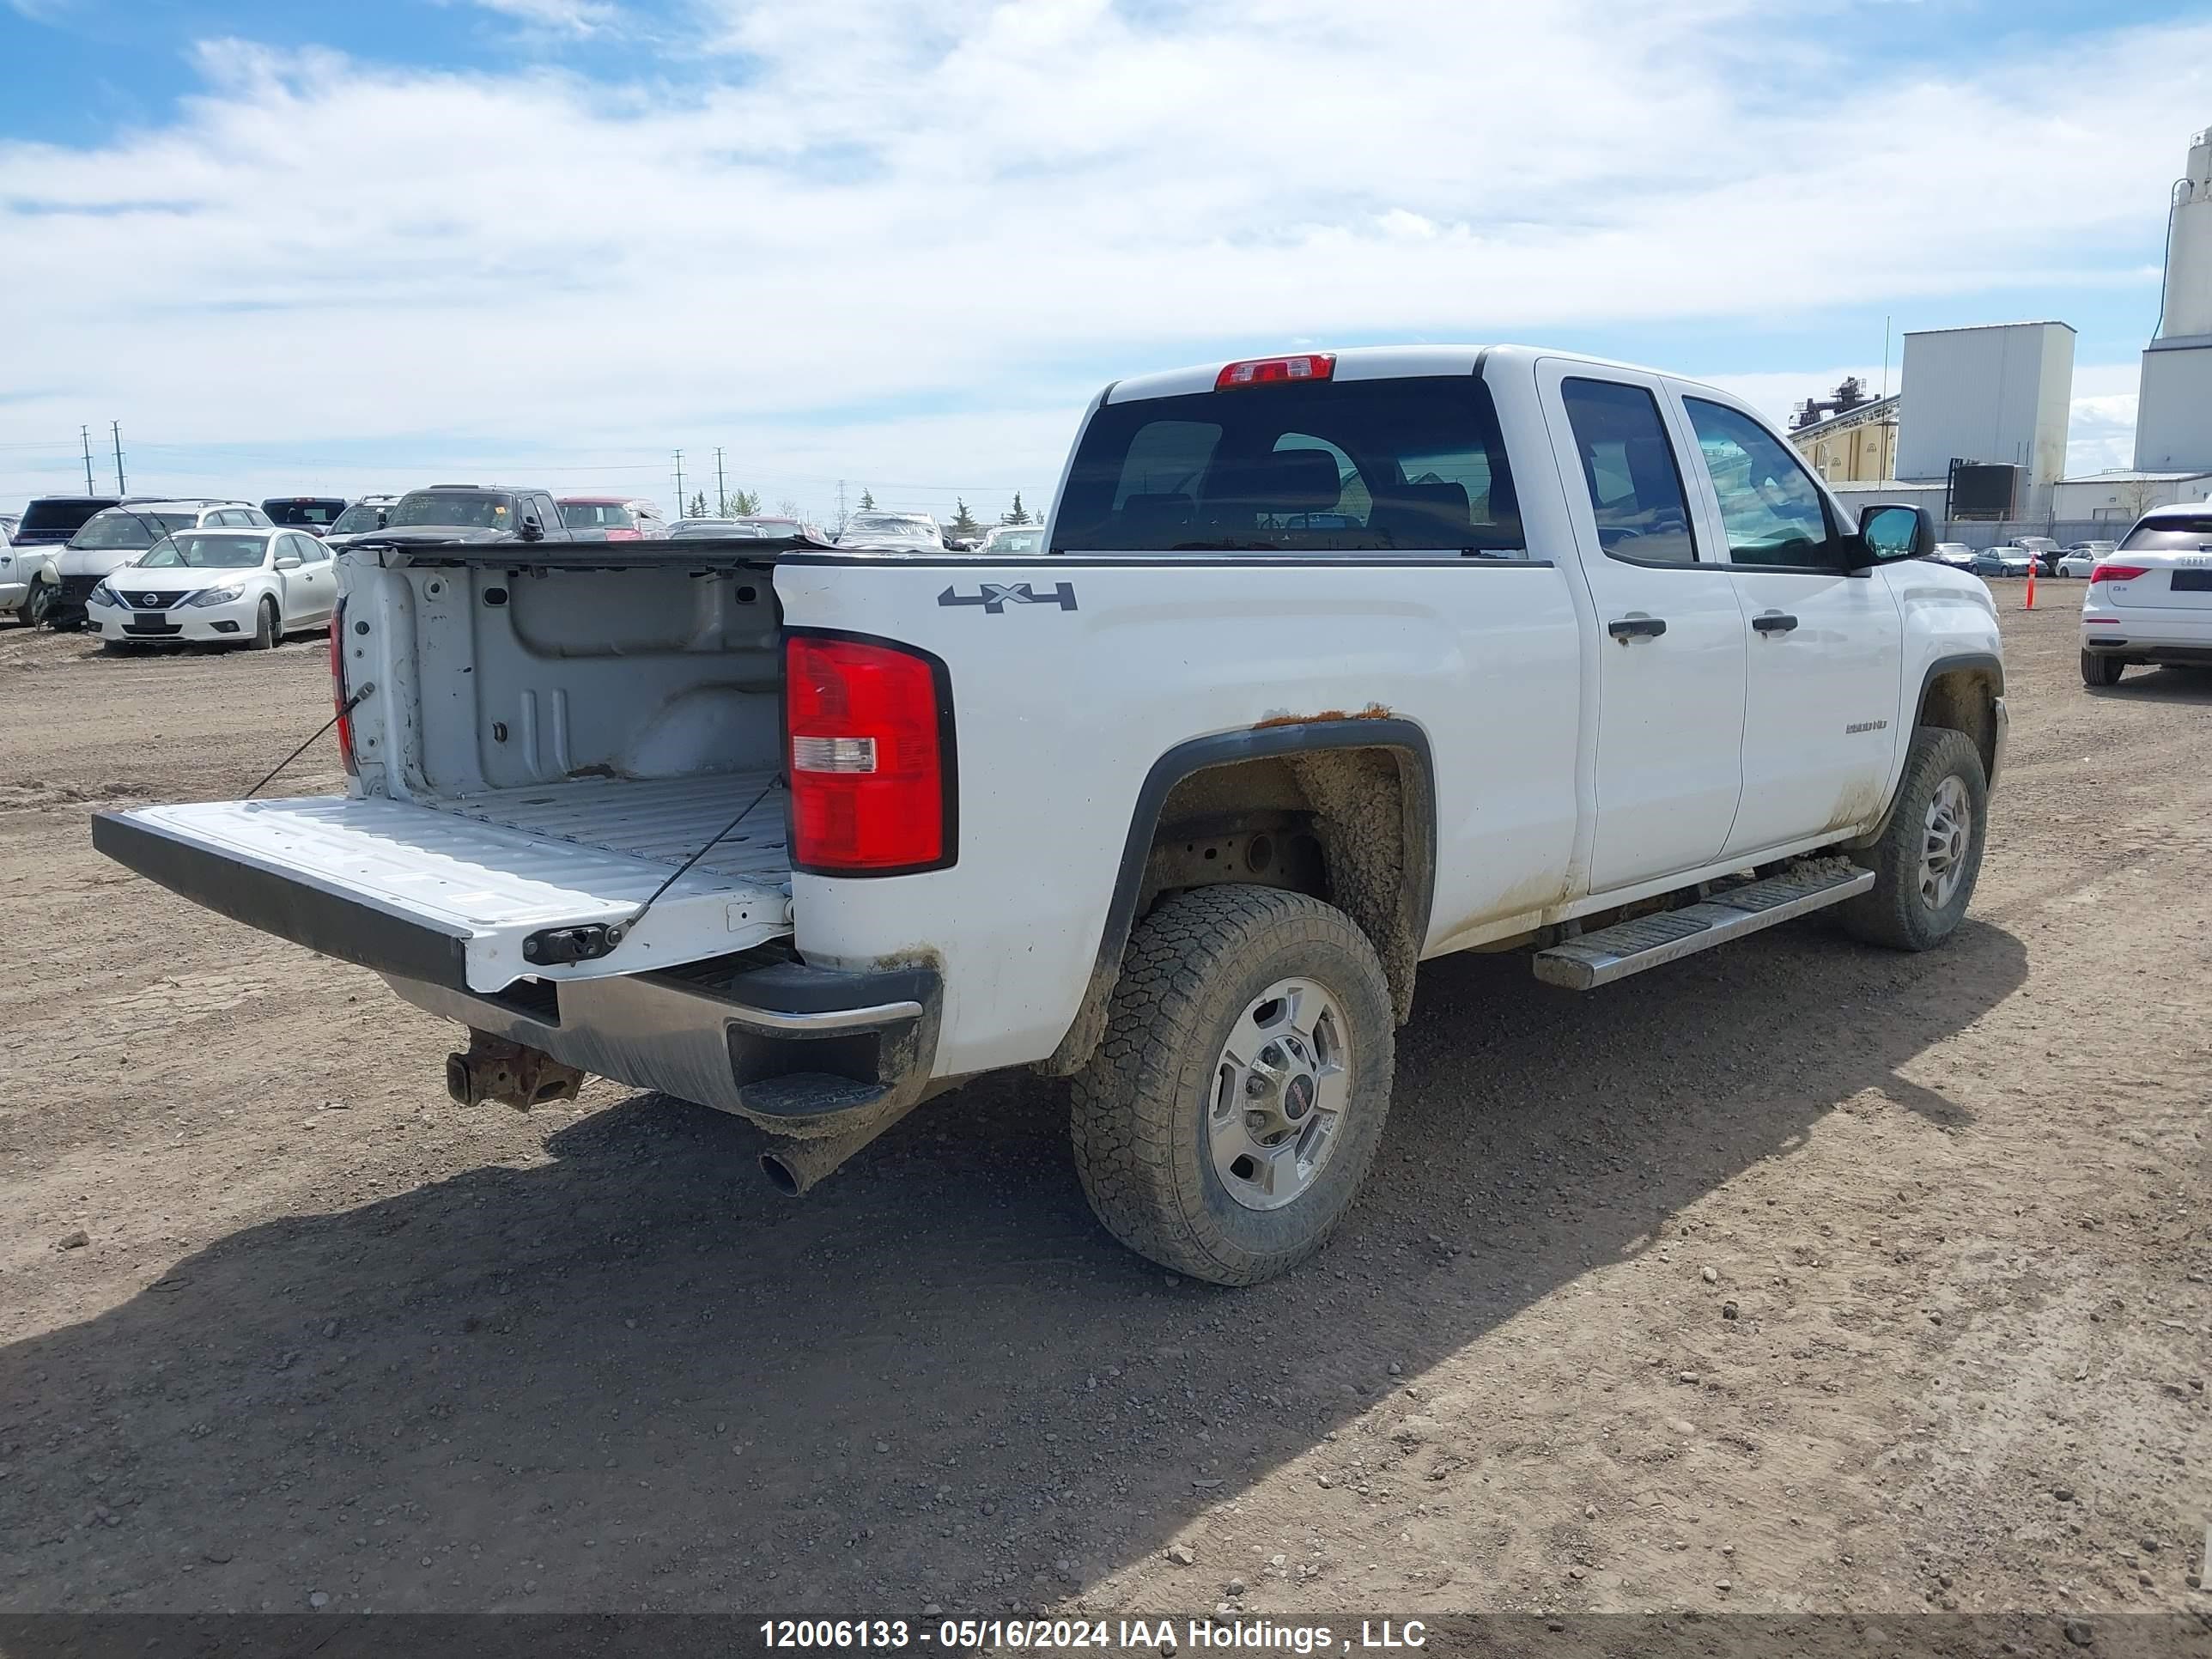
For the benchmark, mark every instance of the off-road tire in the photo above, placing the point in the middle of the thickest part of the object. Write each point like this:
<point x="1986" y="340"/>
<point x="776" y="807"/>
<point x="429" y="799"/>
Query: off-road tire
<point x="2097" y="669"/>
<point x="267" y="628"/>
<point x="1139" y="1120"/>
<point x="1894" y="913"/>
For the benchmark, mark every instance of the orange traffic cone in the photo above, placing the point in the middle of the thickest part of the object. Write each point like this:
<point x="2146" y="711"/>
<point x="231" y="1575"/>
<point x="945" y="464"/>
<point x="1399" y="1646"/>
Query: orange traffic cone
<point x="2030" y="605"/>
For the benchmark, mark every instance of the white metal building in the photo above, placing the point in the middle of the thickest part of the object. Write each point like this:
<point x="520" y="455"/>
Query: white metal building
<point x="2121" y="496"/>
<point x="1999" y="394"/>
<point x="2174" y="413"/>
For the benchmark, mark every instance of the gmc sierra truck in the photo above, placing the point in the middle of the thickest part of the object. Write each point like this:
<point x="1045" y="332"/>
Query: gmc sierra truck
<point x="1332" y="663"/>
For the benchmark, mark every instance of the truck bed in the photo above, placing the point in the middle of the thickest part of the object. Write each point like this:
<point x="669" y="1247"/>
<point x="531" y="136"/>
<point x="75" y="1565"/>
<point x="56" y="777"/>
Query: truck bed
<point x="450" y="891"/>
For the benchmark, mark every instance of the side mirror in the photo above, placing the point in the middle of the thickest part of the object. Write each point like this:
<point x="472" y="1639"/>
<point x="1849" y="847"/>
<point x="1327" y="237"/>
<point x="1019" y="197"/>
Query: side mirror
<point x="289" y="561"/>
<point x="1890" y="533"/>
<point x="531" y="530"/>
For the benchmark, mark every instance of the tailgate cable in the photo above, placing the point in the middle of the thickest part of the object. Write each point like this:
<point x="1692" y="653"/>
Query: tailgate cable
<point x="350" y="705"/>
<point x="621" y="929"/>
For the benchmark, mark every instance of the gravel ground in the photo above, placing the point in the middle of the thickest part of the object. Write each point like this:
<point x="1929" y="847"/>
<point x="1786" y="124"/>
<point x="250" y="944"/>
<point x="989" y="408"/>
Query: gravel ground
<point x="1798" y="1276"/>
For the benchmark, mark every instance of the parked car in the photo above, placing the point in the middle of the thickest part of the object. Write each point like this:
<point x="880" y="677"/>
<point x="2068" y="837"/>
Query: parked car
<point x="50" y="521"/>
<point x="909" y="532"/>
<point x="1957" y="555"/>
<point x="29" y="581"/>
<point x="224" y="586"/>
<point x="756" y="529"/>
<point x="2044" y="552"/>
<point x="614" y="518"/>
<point x="113" y="537"/>
<point x="2150" y="599"/>
<point x="1008" y="540"/>
<point x="471" y="512"/>
<point x="316" y="514"/>
<point x="2006" y="561"/>
<point x="2082" y="558"/>
<point x="359" y="520"/>
<point x="1198" y="876"/>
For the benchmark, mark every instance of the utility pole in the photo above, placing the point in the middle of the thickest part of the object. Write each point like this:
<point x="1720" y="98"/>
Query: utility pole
<point x="85" y="433"/>
<point x="116" y="427"/>
<point x="841" y="505"/>
<point x="680" y="505"/>
<point x="721" y="489"/>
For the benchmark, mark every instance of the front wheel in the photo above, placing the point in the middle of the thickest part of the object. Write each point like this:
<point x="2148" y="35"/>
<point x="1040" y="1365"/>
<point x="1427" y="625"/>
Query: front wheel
<point x="266" y="627"/>
<point x="1237" y="1100"/>
<point x="2097" y="669"/>
<point x="1929" y="855"/>
<point x="39" y="604"/>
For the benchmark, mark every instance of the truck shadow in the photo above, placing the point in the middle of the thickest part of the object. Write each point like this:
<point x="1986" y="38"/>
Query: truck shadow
<point x="634" y="1377"/>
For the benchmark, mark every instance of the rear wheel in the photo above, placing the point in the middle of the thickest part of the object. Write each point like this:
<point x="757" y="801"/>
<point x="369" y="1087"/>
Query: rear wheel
<point x="265" y="633"/>
<point x="2097" y="669"/>
<point x="1233" y="1108"/>
<point x="1929" y="856"/>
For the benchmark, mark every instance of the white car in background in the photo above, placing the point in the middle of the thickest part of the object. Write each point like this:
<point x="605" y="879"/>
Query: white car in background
<point x="2150" y="600"/>
<point x="217" y="586"/>
<point x="1008" y="540"/>
<point x="2082" y="557"/>
<point x="1957" y="555"/>
<point x="115" y="536"/>
<point x="28" y="582"/>
<point x="897" y="533"/>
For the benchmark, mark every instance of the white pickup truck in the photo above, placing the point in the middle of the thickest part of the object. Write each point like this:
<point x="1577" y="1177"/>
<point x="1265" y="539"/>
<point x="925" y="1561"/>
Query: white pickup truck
<point x="1333" y="662"/>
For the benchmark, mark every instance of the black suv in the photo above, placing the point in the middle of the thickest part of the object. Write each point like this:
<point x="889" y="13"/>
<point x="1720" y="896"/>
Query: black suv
<point x="50" y="521"/>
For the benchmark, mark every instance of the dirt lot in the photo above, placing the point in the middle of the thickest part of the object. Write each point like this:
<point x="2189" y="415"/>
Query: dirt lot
<point x="1798" y="1276"/>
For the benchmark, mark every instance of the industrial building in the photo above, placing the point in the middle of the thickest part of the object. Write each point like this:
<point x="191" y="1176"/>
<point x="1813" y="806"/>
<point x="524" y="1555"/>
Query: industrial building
<point x="1977" y="433"/>
<point x="2173" y="410"/>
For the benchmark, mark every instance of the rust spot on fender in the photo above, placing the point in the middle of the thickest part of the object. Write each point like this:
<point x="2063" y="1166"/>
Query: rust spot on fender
<point x="1373" y="711"/>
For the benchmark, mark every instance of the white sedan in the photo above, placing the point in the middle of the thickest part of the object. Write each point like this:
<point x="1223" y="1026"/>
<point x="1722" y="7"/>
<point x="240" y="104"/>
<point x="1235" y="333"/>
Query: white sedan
<point x="217" y="587"/>
<point x="2083" y="557"/>
<point x="2151" y="601"/>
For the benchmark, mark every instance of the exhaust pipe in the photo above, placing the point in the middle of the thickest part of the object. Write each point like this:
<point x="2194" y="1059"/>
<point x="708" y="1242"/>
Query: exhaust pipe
<point x="795" y="1167"/>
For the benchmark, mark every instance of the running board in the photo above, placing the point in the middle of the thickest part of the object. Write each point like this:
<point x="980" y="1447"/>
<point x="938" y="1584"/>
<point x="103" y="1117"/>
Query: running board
<point x="1630" y="947"/>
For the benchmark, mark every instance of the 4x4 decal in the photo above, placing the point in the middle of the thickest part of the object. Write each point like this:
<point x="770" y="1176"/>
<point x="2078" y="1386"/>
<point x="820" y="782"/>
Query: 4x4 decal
<point x="995" y="597"/>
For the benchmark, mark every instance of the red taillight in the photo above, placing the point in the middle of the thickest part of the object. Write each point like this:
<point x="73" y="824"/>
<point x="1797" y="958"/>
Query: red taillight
<point x="338" y="690"/>
<point x="1265" y="371"/>
<point x="869" y="733"/>
<point x="625" y="536"/>
<point x="2117" y="573"/>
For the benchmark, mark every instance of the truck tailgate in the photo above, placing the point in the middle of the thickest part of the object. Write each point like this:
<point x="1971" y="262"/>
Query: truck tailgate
<point x="449" y="893"/>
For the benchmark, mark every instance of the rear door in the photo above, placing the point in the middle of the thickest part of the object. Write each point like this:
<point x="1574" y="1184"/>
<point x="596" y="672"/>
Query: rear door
<point x="1825" y="648"/>
<point x="1671" y="662"/>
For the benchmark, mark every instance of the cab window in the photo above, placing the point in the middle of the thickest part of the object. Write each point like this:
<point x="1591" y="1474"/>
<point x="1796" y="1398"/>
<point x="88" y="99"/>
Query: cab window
<point x="1771" y="509"/>
<point x="1628" y="465"/>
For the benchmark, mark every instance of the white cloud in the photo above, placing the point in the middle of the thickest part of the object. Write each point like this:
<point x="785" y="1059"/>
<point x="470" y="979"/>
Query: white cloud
<point x="570" y="17"/>
<point x="886" y="211"/>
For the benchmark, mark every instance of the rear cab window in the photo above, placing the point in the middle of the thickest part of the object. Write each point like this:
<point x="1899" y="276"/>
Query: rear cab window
<point x="48" y="516"/>
<point x="1410" y="465"/>
<point x="2174" y="535"/>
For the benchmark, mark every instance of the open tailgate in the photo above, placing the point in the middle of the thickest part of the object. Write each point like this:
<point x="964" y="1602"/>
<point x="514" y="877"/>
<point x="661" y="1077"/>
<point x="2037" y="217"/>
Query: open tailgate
<point x="452" y="893"/>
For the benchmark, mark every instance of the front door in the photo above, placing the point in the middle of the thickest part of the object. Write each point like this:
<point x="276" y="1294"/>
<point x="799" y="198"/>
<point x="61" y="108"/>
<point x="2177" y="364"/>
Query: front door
<point x="1671" y="649"/>
<point x="1824" y="647"/>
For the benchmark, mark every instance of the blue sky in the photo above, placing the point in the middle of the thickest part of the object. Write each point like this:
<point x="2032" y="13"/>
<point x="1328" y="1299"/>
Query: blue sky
<point x="345" y="246"/>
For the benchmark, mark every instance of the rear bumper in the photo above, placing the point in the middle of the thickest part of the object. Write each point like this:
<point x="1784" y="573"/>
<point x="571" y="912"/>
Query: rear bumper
<point x="800" y="1051"/>
<point x="2150" y="634"/>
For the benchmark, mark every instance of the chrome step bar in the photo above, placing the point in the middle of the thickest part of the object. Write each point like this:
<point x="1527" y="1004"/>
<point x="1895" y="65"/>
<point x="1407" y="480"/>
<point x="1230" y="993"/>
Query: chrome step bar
<point x="1630" y="947"/>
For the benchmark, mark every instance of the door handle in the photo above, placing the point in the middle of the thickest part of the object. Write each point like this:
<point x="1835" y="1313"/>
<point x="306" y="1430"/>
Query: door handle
<point x="1774" y="622"/>
<point x="1625" y="628"/>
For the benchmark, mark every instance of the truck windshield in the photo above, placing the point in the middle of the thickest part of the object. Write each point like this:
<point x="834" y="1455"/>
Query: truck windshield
<point x="1413" y="464"/>
<point x="452" y="511"/>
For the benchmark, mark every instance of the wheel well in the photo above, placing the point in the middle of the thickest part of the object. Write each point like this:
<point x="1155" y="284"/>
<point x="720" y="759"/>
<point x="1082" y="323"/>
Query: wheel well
<point x="1352" y="826"/>
<point x="1963" y="699"/>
